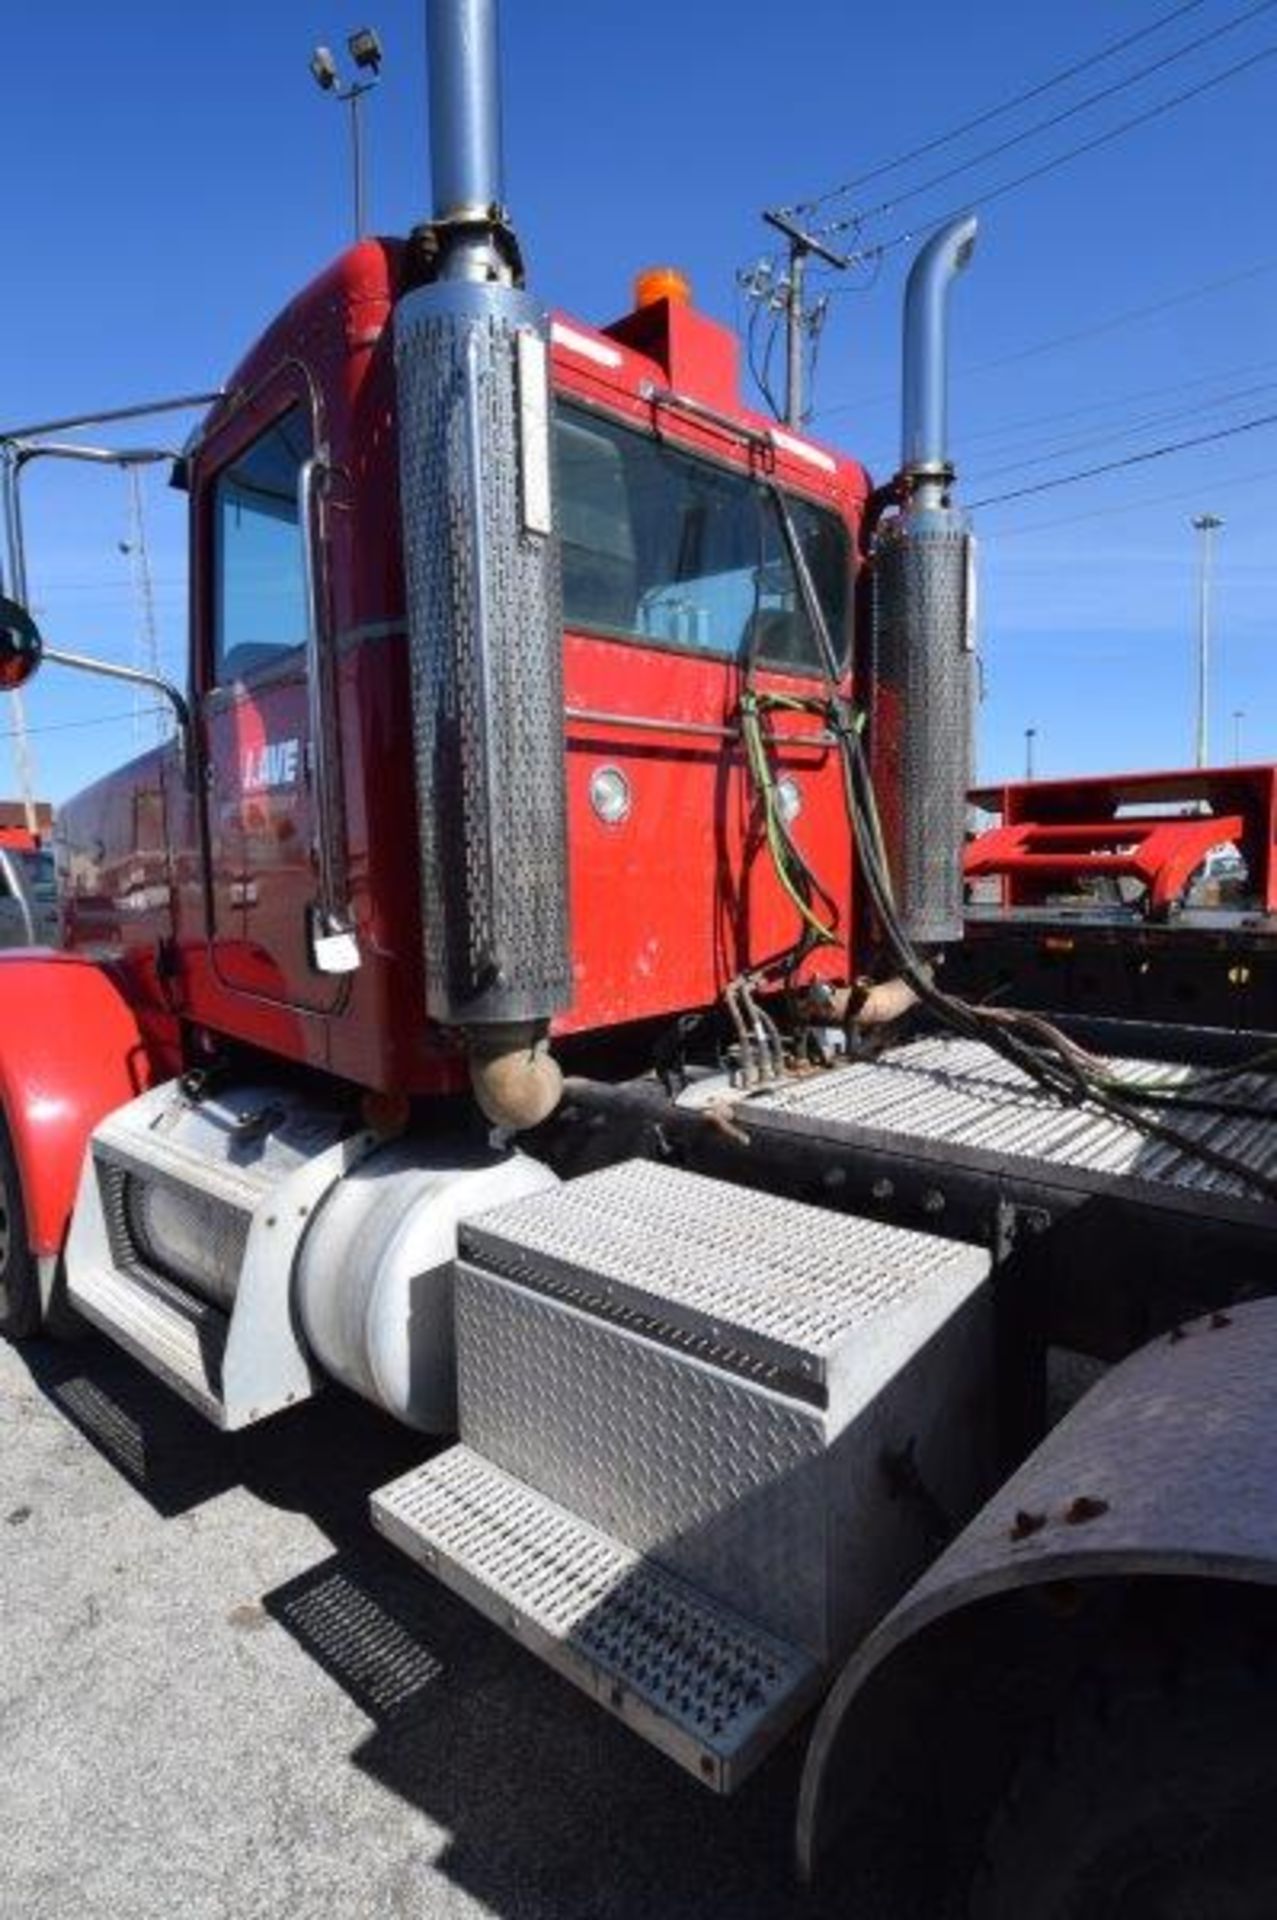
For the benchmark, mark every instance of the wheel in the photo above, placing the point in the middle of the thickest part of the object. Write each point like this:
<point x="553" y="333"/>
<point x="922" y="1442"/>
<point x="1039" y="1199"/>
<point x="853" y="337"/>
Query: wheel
<point x="19" y="1281"/>
<point x="1152" y="1798"/>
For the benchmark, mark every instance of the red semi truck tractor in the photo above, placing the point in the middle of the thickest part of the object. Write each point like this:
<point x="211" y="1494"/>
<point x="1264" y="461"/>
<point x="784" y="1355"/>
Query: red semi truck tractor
<point x="517" y="994"/>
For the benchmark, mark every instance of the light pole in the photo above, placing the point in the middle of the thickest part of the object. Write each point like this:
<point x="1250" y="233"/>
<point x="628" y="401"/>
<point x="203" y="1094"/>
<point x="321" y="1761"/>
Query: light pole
<point x="365" y="50"/>
<point x="1207" y="524"/>
<point x="1239" y="714"/>
<point x="1030" y="737"/>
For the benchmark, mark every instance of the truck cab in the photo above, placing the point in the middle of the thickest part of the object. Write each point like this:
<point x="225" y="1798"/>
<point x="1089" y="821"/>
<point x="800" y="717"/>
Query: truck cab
<point x="676" y="588"/>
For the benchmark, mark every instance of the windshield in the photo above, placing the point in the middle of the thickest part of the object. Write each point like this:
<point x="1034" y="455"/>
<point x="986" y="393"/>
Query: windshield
<point x="40" y="874"/>
<point x="664" y="547"/>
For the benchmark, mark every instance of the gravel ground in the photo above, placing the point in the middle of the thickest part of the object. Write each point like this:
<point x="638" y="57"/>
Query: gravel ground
<point x="221" y="1694"/>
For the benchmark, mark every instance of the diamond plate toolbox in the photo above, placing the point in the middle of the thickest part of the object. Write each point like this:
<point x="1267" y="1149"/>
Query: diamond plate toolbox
<point x="716" y="1378"/>
<point x="680" y="1403"/>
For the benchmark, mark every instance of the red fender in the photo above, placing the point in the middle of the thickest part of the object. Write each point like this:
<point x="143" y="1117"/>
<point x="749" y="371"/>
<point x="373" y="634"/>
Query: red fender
<point x="71" y="1050"/>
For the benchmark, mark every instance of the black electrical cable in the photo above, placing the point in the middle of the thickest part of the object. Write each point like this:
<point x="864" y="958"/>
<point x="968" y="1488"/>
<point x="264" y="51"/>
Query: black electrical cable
<point x="1064" y="1070"/>
<point x="1131" y="316"/>
<point x="1056" y="1062"/>
<point x="1218" y="488"/>
<point x="793" y="871"/>
<point x="94" y="720"/>
<point x="1067" y="1070"/>
<point x="761" y="371"/>
<point x="1130" y="460"/>
<point x="1105" y="436"/>
<point x="1024" y="431"/>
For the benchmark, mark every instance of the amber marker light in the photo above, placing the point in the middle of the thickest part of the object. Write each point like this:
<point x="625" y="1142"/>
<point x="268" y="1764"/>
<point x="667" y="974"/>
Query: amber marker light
<point x="662" y="283"/>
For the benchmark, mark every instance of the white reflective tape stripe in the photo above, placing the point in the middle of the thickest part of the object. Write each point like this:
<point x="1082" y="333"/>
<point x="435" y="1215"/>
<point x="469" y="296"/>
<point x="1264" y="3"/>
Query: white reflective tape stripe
<point x="802" y="451"/>
<point x="581" y="343"/>
<point x="534" y="431"/>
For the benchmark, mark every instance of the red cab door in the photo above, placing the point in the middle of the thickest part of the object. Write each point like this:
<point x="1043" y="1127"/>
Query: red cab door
<point x="254" y="706"/>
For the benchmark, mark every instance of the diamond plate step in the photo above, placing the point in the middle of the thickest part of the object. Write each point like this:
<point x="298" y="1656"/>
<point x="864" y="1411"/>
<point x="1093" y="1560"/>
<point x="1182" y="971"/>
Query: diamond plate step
<point x="181" y="1339"/>
<point x="709" y="1689"/>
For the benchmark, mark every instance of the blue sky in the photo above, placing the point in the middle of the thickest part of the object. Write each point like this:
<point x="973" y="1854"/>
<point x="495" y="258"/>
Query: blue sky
<point x="175" y="176"/>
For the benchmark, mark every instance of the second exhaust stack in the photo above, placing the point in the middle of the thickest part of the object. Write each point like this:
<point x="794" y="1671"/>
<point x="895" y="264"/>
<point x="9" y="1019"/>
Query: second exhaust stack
<point x="483" y="592"/>
<point x="923" y="640"/>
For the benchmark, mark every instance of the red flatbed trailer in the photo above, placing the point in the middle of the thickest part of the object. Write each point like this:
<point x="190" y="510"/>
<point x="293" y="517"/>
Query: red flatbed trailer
<point x="1093" y="896"/>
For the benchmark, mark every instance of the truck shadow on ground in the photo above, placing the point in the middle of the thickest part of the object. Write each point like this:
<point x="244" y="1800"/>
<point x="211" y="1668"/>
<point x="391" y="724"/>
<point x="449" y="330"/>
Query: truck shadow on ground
<point x="176" y="1461"/>
<point x="555" y="1812"/>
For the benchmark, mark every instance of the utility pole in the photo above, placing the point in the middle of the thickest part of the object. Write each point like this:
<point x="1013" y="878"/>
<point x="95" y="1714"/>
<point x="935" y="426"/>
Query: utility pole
<point x="799" y="320"/>
<point x="1030" y="736"/>
<point x="1239" y="714"/>
<point x="1207" y="524"/>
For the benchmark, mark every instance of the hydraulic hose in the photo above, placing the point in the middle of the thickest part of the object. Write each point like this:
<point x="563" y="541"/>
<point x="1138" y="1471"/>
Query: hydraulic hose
<point x="1028" y="1041"/>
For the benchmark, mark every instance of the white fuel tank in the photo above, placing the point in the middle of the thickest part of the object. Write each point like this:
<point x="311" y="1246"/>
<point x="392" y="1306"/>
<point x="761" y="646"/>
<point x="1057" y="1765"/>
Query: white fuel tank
<point x="374" y="1279"/>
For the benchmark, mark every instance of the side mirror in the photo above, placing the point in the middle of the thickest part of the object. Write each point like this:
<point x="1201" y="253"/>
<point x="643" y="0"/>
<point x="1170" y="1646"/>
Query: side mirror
<point x="21" y="648"/>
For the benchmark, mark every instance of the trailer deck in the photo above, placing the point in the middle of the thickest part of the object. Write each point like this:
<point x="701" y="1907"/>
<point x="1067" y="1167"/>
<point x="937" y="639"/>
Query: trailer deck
<point x="959" y="1094"/>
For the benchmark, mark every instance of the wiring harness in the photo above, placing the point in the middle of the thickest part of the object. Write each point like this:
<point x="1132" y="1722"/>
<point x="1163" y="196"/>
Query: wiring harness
<point x="1040" y="1049"/>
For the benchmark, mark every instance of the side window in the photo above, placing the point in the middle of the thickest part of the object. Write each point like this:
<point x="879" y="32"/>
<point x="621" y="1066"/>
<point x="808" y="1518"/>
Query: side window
<point x="40" y="874"/>
<point x="259" y="604"/>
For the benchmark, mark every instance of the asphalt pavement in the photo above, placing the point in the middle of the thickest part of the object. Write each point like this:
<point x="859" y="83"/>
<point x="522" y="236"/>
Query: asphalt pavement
<point x="221" y="1694"/>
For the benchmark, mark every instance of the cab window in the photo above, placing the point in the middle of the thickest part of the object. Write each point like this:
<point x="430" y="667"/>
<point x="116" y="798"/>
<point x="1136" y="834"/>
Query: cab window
<point x="40" y="873"/>
<point x="663" y="547"/>
<point x="259" y="604"/>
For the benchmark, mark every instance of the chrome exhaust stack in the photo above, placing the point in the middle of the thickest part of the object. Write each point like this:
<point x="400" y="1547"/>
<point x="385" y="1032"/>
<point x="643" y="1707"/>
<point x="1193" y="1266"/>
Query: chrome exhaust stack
<point x="925" y="463"/>
<point x="923" y="622"/>
<point x="482" y="581"/>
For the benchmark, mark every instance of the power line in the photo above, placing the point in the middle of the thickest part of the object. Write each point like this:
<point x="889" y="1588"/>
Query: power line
<point x="1129" y="317"/>
<point x="1073" y="153"/>
<point x="1007" y="106"/>
<point x="1131" y="460"/>
<point x="97" y="720"/>
<point x="1141" y="505"/>
<point x="1013" y="430"/>
<point x="761" y="369"/>
<point x="1070" y="112"/>
<point x="110" y="589"/>
<point x="1105" y="436"/>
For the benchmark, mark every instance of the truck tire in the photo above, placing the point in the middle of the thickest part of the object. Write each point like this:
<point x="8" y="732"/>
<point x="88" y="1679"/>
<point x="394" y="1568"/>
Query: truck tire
<point x="1153" y="1798"/>
<point x="19" y="1281"/>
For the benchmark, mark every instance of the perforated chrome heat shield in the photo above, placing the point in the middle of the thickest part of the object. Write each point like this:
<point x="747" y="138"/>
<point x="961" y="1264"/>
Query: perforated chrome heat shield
<point x="923" y="685"/>
<point x="485" y="635"/>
